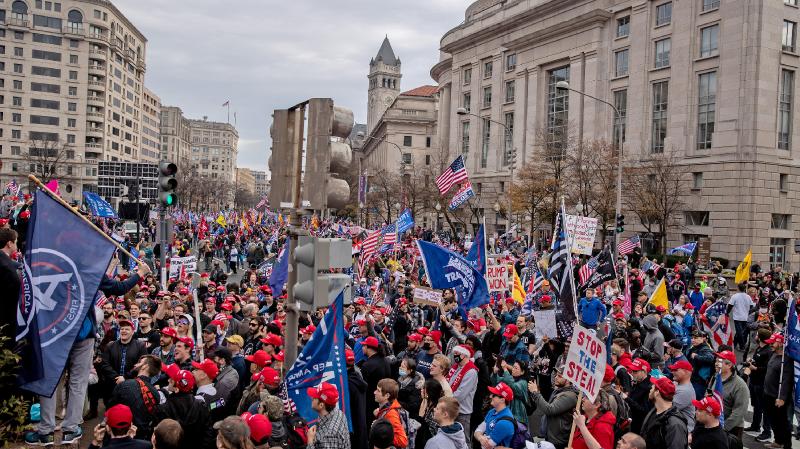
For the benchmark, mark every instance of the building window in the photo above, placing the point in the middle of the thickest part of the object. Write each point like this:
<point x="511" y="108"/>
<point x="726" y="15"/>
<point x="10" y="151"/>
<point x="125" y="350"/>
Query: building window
<point x="486" y="137"/>
<point x="406" y="141"/>
<point x="777" y="252"/>
<point x="73" y="59"/>
<point x="785" y="110"/>
<point x="428" y="142"/>
<point x="467" y="76"/>
<point x="621" y="103"/>
<point x="467" y="101"/>
<point x="72" y="107"/>
<point x="664" y="14"/>
<point x="789" y="35"/>
<point x="17" y="68"/>
<point x="406" y="158"/>
<point x="70" y="138"/>
<point x="623" y="26"/>
<point x="16" y="117"/>
<point x="706" y="109"/>
<point x="73" y="91"/>
<point x="18" y="51"/>
<point x="16" y="101"/>
<point x="621" y="63"/>
<point x="510" y="91"/>
<point x="708" y="5"/>
<point x="783" y="182"/>
<point x="72" y="123"/>
<point x="697" y="180"/>
<point x="781" y="221"/>
<point x="709" y="38"/>
<point x="696" y="218"/>
<point x="557" y="108"/>
<point x="511" y="62"/>
<point x="17" y="84"/>
<point x="16" y="134"/>
<point x="16" y="151"/>
<point x="663" y="49"/>
<point x="427" y="162"/>
<point x="465" y="139"/>
<point x="508" y="142"/>
<point x="487" y="69"/>
<point x="660" y="106"/>
<point x="487" y="96"/>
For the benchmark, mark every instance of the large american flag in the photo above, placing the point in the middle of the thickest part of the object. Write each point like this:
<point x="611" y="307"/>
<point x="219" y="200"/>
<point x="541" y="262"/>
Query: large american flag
<point x="368" y="249"/>
<point x="716" y="323"/>
<point x="536" y="280"/>
<point x="628" y="246"/>
<point x="454" y="174"/>
<point x="587" y="269"/>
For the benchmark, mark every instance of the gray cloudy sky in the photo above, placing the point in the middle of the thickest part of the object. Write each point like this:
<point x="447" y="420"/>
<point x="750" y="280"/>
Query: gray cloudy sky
<point x="268" y="54"/>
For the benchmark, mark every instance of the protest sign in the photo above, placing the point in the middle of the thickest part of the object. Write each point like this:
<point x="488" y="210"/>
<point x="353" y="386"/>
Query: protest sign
<point x="545" y="324"/>
<point x="187" y="264"/>
<point x="582" y="230"/>
<point x="496" y="275"/>
<point x="429" y="296"/>
<point x="586" y="362"/>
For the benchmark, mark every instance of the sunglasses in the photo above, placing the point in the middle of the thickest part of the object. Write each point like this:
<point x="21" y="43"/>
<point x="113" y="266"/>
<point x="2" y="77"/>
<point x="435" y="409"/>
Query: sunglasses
<point x="144" y="317"/>
<point x="253" y="324"/>
<point x="184" y="323"/>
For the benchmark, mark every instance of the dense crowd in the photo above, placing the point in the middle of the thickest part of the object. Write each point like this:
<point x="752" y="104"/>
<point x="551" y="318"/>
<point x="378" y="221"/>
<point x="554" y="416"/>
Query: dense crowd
<point x="419" y="375"/>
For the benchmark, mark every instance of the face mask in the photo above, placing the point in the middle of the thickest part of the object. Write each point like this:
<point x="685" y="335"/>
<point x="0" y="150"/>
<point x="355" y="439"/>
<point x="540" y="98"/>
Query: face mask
<point x="457" y="358"/>
<point x="402" y="373"/>
<point x="762" y="310"/>
<point x="426" y="346"/>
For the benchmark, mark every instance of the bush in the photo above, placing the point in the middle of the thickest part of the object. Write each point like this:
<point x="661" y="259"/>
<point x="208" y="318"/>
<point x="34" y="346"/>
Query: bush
<point x="14" y="409"/>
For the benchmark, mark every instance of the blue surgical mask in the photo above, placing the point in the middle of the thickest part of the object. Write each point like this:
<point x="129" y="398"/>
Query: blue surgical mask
<point x="402" y="373"/>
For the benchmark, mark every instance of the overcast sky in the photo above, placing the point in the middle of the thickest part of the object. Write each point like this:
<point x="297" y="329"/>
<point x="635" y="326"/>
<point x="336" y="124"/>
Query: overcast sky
<point x="268" y="54"/>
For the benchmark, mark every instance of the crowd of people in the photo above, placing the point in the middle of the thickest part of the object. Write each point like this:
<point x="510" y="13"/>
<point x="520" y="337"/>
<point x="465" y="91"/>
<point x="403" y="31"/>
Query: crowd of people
<point x="419" y="375"/>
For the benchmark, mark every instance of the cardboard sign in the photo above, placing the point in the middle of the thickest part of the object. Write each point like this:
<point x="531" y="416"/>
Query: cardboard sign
<point x="545" y="324"/>
<point x="496" y="275"/>
<point x="586" y="362"/>
<point x="429" y="296"/>
<point x="582" y="231"/>
<point x="188" y="264"/>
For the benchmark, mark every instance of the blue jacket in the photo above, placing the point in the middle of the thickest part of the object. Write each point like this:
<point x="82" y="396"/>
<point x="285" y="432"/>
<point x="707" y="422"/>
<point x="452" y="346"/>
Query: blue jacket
<point x="591" y="310"/>
<point x="499" y="431"/>
<point x="696" y="298"/>
<point x="512" y="351"/>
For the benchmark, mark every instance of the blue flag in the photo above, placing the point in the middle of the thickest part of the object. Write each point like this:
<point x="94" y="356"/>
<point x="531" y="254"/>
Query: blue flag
<point x="719" y="395"/>
<point x="446" y="269"/>
<point x="792" y="347"/>
<point x="322" y="360"/>
<point x="132" y="262"/>
<point x="65" y="260"/>
<point x="477" y="252"/>
<point x="280" y="271"/>
<point x="405" y="221"/>
<point x="687" y="248"/>
<point x="98" y="206"/>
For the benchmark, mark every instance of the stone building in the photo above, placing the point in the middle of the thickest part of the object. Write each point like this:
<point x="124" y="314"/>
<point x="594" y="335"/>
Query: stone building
<point x="245" y="180"/>
<point x="384" y="82"/>
<point x="262" y="183"/>
<point x="723" y="102"/>
<point x="151" y="128"/>
<point x="175" y="135"/>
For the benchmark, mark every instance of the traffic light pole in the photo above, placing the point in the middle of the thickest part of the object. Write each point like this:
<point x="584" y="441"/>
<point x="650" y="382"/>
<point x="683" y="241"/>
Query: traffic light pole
<point x="138" y="216"/>
<point x="163" y="242"/>
<point x="292" y="311"/>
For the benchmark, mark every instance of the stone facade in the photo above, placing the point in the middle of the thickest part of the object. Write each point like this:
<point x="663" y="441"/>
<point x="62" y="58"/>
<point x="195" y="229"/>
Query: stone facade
<point x="245" y="180"/>
<point x="150" y="136"/>
<point x="384" y="83"/>
<point x="262" y="183"/>
<point x="175" y="135"/>
<point x="709" y="80"/>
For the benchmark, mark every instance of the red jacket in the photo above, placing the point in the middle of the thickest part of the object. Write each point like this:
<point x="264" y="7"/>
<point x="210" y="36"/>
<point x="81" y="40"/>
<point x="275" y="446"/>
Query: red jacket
<point x="601" y="428"/>
<point x="391" y="413"/>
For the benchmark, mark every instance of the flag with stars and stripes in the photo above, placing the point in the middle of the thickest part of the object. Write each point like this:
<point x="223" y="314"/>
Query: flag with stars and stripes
<point x="587" y="269"/>
<point x="560" y="274"/>
<point x="454" y="174"/>
<point x="535" y="279"/>
<point x="368" y="249"/>
<point x="629" y="245"/>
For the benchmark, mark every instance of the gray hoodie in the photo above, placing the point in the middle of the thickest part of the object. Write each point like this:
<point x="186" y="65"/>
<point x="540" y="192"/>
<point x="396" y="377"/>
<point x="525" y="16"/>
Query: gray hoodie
<point x="449" y="437"/>
<point x="654" y="340"/>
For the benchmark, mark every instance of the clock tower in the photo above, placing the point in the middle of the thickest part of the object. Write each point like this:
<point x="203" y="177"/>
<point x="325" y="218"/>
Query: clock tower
<point x="384" y="83"/>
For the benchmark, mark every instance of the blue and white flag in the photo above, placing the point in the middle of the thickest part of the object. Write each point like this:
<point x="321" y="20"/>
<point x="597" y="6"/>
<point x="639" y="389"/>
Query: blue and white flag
<point x="687" y="248"/>
<point x="477" y="252"/>
<point x="132" y="262"/>
<point x="97" y="206"/>
<point x="322" y="360"/>
<point x="462" y="195"/>
<point x="405" y="221"/>
<point x="792" y="347"/>
<point x="280" y="270"/>
<point x="446" y="269"/>
<point x="65" y="260"/>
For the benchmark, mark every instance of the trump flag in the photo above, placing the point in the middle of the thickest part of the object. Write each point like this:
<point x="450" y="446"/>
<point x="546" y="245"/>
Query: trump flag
<point x="446" y="269"/>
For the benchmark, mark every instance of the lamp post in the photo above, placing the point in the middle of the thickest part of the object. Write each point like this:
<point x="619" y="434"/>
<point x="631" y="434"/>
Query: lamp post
<point x="438" y="207"/>
<point x="565" y="86"/>
<point x="512" y="159"/>
<point x="496" y="208"/>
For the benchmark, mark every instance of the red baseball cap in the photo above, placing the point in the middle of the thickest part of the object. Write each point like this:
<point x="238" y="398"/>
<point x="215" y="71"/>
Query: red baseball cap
<point x="226" y="306"/>
<point x="260" y="358"/>
<point x="609" y="374"/>
<point x="260" y="427"/>
<point x="665" y="386"/>
<point x="619" y="316"/>
<point x="661" y="309"/>
<point x="169" y="332"/>
<point x="727" y="355"/>
<point x="371" y="342"/>
<point x="280" y="356"/>
<point x="639" y="365"/>
<point x="325" y="392"/>
<point x="349" y="356"/>
<point x="119" y="416"/>
<point x="220" y="288"/>
<point x="688" y="305"/>
<point x="187" y="341"/>
<point x="776" y="337"/>
<point x="204" y="275"/>
<point x="265" y="289"/>
<point x="183" y="291"/>
<point x="184" y="381"/>
<point x="681" y="364"/>
<point x="308" y="330"/>
<point x="268" y="376"/>
<point x="616" y="302"/>
<point x="272" y="339"/>
<point x="125" y="322"/>
<point x="510" y="331"/>
<point x="503" y="391"/>
<point x="423" y="331"/>
<point x="361" y="322"/>
<point x="709" y="404"/>
<point x="207" y="366"/>
<point x="360" y="301"/>
<point x="415" y="337"/>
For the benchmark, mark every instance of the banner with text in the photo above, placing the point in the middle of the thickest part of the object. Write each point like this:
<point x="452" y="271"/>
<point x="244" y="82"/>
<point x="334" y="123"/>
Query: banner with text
<point x="187" y="264"/>
<point x="586" y="362"/>
<point x="429" y="296"/>
<point x="583" y="231"/>
<point x="497" y="275"/>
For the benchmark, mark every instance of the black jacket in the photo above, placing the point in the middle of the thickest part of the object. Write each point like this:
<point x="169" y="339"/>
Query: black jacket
<point x="9" y="295"/>
<point x="373" y="370"/>
<point x="124" y="443"/>
<point x="639" y="403"/>
<point x="130" y="393"/>
<point x="193" y="416"/>
<point x="109" y="367"/>
<point x="665" y="430"/>
<point x="773" y="377"/>
<point x="713" y="438"/>
<point x="760" y="360"/>
<point x="358" y="409"/>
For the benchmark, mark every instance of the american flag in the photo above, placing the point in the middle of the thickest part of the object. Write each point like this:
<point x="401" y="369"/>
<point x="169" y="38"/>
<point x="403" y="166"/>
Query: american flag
<point x="650" y="265"/>
<point x="587" y="269"/>
<point x="12" y="187"/>
<point x="368" y="248"/>
<point x="454" y="174"/>
<point x="719" y="395"/>
<point x="716" y="323"/>
<point x="536" y="280"/>
<point x="627" y="246"/>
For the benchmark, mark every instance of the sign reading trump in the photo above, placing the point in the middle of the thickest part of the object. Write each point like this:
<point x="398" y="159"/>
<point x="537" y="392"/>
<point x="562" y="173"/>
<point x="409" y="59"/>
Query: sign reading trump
<point x="586" y="362"/>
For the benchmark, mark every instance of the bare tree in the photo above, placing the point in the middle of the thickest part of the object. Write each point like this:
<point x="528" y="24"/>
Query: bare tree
<point x="601" y="177"/>
<point x="48" y="157"/>
<point x="244" y="199"/>
<point x="532" y="195"/>
<point x="553" y="159"/>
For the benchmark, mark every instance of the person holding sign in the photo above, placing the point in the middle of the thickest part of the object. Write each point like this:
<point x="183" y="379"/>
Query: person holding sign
<point x="595" y="426"/>
<point x="664" y="427"/>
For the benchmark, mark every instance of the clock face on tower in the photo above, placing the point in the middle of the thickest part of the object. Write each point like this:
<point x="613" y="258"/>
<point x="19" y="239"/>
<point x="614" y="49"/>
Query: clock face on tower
<point x="387" y="101"/>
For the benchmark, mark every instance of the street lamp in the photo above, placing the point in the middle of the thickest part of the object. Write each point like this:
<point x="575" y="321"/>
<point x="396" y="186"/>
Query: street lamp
<point x="496" y="208"/>
<point x="564" y="85"/>
<point x="512" y="157"/>
<point x="438" y="207"/>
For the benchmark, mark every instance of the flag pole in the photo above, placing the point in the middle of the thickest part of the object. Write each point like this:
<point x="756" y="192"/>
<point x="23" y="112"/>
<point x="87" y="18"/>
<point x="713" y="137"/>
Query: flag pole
<point x="571" y="273"/>
<point x="52" y="195"/>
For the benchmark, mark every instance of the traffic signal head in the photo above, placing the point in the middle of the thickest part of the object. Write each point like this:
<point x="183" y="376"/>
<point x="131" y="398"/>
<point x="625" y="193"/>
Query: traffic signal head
<point x="620" y="224"/>
<point x="316" y="289"/>
<point x="167" y="184"/>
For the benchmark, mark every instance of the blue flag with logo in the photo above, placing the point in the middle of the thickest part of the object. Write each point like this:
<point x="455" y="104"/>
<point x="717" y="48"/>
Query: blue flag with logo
<point x="132" y="260"/>
<point x="477" y="252"/>
<point x="446" y="269"/>
<point x="98" y="206"/>
<point x="687" y="248"/>
<point x="322" y="360"/>
<point x="792" y="347"/>
<point x="280" y="270"/>
<point x="65" y="260"/>
<point x="405" y="221"/>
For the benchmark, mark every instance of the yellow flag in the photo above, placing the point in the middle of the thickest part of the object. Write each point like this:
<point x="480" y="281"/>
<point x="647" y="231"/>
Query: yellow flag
<point x="659" y="296"/>
<point x="518" y="293"/>
<point x="743" y="270"/>
<point x="221" y="221"/>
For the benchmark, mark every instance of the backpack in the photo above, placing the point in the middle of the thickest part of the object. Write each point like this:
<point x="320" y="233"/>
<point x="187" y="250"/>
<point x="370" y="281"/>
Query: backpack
<point x="521" y="434"/>
<point x="622" y="413"/>
<point x="297" y="430"/>
<point x="410" y="426"/>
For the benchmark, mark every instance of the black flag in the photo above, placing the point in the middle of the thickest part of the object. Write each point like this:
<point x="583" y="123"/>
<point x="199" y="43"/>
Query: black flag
<point x="560" y="274"/>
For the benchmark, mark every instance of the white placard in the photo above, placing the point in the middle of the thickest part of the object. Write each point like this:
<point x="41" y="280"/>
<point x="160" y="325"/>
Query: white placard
<point x="188" y="264"/>
<point x="496" y="275"/>
<point x="586" y="362"/>
<point x="582" y="231"/>
<point x="424" y="295"/>
<point x="545" y="324"/>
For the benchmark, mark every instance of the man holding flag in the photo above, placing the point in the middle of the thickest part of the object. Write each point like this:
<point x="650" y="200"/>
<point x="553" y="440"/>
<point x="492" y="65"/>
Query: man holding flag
<point x="777" y="391"/>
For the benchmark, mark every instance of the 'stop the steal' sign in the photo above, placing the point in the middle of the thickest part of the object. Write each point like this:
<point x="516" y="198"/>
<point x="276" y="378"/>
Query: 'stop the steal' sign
<point x="586" y="362"/>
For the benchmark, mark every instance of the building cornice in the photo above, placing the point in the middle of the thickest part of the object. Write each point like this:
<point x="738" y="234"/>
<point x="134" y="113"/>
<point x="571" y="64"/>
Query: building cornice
<point x="120" y="16"/>
<point x="441" y="67"/>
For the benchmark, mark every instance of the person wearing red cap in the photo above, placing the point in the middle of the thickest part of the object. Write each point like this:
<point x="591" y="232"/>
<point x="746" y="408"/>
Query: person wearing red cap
<point x="513" y="348"/>
<point x="497" y="429"/>
<point x="663" y="426"/>
<point x="331" y="431"/>
<point x="412" y="348"/>
<point x="427" y="352"/>
<point x="594" y="428"/>
<point x="708" y="434"/>
<point x="166" y="346"/>
<point x="463" y="380"/>
<point x="182" y="406"/>
<point x="777" y="392"/>
<point x="638" y="398"/>
<point x="373" y="369"/>
<point x="118" y="422"/>
<point x="735" y="394"/>
<point x="260" y="428"/>
<point x="681" y="372"/>
<point x="205" y="373"/>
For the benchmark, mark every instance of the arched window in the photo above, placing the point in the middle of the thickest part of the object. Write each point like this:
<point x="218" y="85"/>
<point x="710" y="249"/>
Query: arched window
<point x="19" y="10"/>
<point x="75" y="16"/>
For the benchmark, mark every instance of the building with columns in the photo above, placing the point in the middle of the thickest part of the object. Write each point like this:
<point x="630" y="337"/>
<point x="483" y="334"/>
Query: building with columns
<point x="723" y="102"/>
